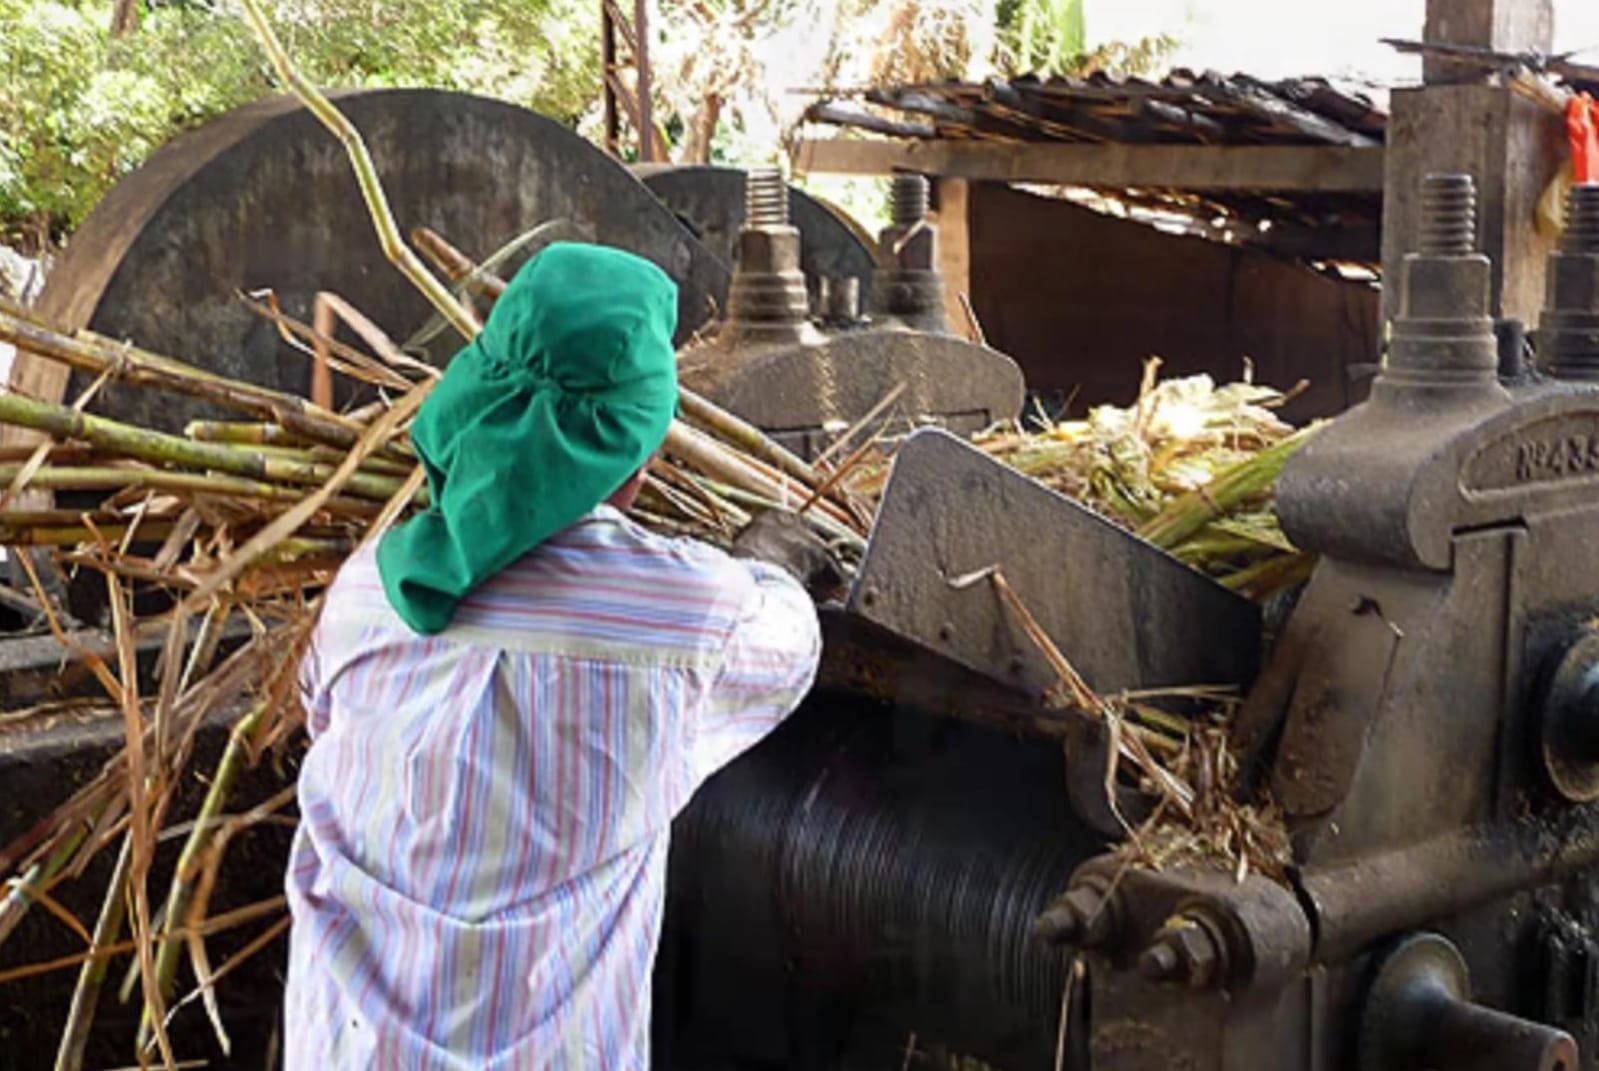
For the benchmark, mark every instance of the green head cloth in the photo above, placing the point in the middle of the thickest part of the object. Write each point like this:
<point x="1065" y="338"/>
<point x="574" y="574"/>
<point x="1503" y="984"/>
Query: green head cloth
<point x="567" y="391"/>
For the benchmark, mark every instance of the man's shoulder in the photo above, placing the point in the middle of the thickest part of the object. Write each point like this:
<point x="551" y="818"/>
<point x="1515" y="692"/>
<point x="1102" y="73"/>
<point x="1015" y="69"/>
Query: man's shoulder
<point x="606" y="541"/>
<point x="608" y="578"/>
<point x="604" y="587"/>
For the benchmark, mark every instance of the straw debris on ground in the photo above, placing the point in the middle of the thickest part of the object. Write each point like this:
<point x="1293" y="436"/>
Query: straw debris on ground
<point x="236" y="527"/>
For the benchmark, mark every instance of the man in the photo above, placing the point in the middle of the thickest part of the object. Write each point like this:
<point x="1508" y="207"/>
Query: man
<point x="513" y="696"/>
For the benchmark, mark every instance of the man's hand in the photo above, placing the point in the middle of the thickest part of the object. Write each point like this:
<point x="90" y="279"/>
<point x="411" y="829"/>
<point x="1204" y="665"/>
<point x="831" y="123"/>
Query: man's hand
<point x="781" y="538"/>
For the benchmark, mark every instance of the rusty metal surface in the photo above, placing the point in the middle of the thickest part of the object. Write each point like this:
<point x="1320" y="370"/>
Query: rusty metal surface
<point x="1128" y="615"/>
<point x="910" y="288"/>
<point x="1419" y="1013"/>
<point x="775" y="367"/>
<point x="1254" y="937"/>
<point x="1359" y="900"/>
<point x="264" y="197"/>
<point x="859" y="658"/>
<point x="863" y="659"/>
<point x="710" y="201"/>
<point x="1196" y="971"/>
<point x="806" y="394"/>
<point x="1569" y="326"/>
<point x="1425" y="723"/>
<point x="1569" y="736"/>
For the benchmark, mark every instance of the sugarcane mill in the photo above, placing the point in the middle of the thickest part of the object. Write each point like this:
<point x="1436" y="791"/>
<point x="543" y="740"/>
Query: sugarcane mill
<point x="474" y="603"/>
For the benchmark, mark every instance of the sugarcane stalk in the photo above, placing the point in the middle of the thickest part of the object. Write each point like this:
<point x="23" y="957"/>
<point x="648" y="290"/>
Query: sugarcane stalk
<point x="19" y="897"/>
<point x="1270" y="575"/>
<point x="91" y="976"/>
<point x="824" y="524"/>
<point x="375" y="463"/>
<point x="296" y="548"/>
<point x="705" y="455"/>
<point x="215" y="924"/>
<point x="291" y="520"/>
<point x="456" y="266"/>
<point x="58" y="454"/>
<point x="746" y="436"/>
<point x="111" y="478"/>
<point x="328" y="455"/>
<point x="31" y="518"/>
<point x="1209" y="545"/>
<point x="71" y="535"/>
<point x="711" y="457"/>
<point x="242" y="433"/>
<point x="206" y="824"/>
<point x="160" y="448"/>
<point x="366" y="174"/>
<point x="1187" y="514"/>
<point x="130" y="364"/>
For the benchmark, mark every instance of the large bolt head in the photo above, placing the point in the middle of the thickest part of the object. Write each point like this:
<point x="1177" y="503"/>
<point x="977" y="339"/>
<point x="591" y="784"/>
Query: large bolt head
<point x="769" y="249"/>
<point x="1573" y="283"/>
<point x="912" y="248"/>
<point x="1446" y="288"/>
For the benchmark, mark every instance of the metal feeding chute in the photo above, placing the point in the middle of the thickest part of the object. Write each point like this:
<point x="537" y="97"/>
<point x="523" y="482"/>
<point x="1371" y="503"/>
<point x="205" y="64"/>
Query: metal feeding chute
<point x="1129" y="615"/>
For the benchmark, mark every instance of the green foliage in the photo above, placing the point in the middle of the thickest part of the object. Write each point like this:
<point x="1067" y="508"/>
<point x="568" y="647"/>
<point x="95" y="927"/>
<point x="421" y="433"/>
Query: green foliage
<point x="1042" y="35"/>
<point x="1050" y="37"/>
<point x="79" y="108"/>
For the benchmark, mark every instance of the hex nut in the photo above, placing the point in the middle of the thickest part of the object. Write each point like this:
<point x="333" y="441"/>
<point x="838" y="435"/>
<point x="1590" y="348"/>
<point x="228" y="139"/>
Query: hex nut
<point x="774" y="250"/>
<point x="1573" y="282"/>
<point x="1184" y="951"/>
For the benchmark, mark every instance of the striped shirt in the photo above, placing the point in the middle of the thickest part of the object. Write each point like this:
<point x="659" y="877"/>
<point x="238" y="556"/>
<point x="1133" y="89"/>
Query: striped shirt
<point x="479" y="872"/>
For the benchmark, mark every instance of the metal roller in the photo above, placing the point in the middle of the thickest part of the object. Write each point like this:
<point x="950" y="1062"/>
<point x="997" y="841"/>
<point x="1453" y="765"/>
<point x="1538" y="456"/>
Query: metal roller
<point x="865" y="875"/>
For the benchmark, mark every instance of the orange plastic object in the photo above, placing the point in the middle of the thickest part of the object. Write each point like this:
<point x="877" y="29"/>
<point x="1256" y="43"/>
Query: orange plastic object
<point x="1582" y="127"/>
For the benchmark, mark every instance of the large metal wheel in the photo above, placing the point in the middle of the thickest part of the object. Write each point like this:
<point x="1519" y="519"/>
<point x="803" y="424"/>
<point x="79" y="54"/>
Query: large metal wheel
<point x="265" y="197"/>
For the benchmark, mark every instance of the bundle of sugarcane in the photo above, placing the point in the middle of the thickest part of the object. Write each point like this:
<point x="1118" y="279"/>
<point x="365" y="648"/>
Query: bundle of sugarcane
<point x="222" y="483"/>
<point x="243" y="522"/>
<point x="1189" y="466"/>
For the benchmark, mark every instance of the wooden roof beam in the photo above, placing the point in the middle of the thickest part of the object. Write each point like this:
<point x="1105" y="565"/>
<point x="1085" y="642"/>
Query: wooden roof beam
<point x="1285" y="168"/>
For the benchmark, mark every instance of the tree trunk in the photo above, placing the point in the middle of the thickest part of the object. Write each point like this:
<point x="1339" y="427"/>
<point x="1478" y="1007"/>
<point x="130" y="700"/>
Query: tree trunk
<point x="701" y="130"/>
<point x="124" y="17"/>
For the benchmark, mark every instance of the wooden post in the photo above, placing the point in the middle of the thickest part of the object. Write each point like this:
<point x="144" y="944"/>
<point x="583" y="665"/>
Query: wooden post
<point x="952" y="218"/>
<point x="1457" y="121"/>
<point x="613" y="122"/>
<point x="641" y="85"/>
<point x="1502" y="25"/>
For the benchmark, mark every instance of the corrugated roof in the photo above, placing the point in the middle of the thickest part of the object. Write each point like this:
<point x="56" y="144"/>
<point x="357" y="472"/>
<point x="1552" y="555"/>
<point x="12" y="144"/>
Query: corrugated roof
<point x="1182" y="108"/>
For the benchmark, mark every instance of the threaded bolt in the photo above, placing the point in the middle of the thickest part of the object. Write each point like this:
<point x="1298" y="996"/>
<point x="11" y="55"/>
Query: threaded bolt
<point x="1159" y="962"/>
<point x="765" y="198"/>
<point x="1582" y="220"/>
<point x="1448" y="216"/>
<point x="907" y="200"/>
